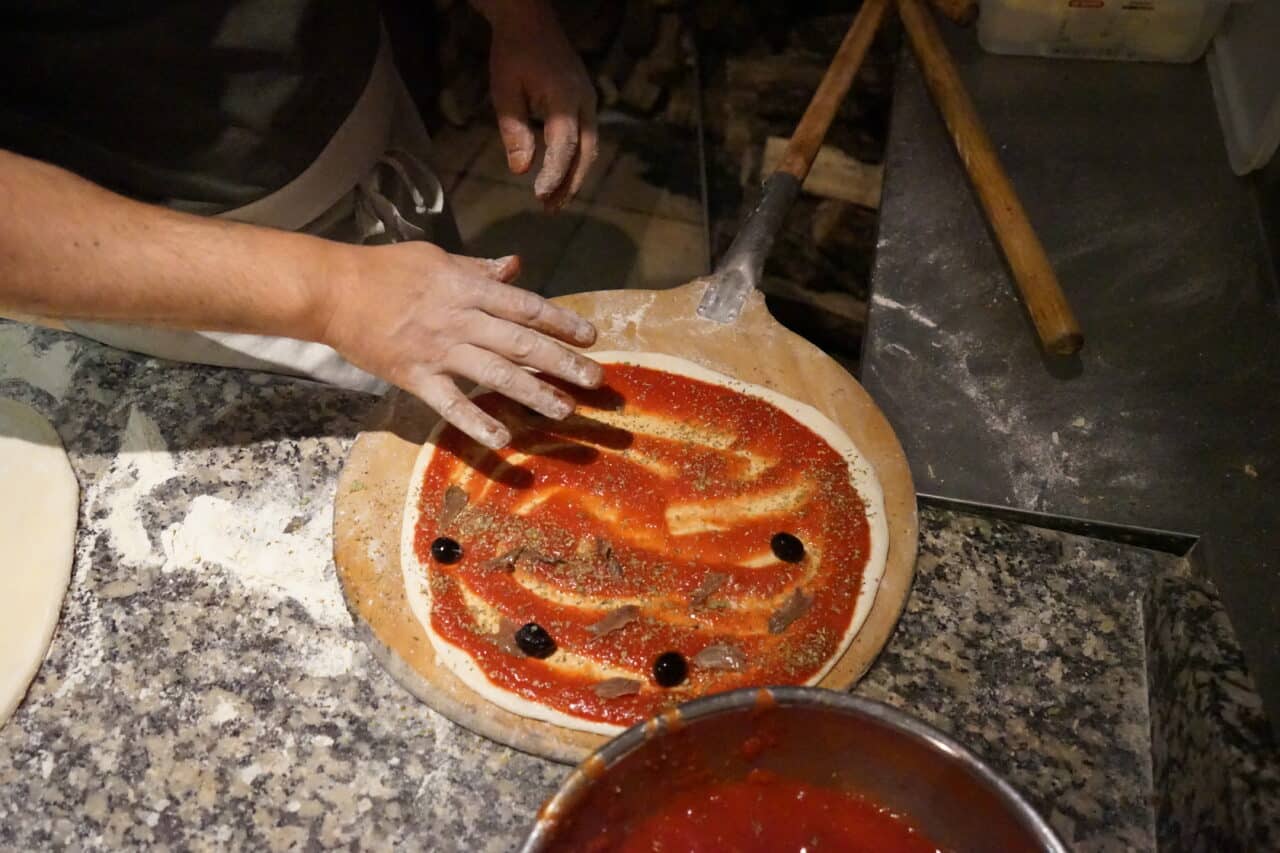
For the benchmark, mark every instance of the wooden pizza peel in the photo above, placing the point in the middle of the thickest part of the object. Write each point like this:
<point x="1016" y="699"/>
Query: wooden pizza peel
<point x="719" y="322"/>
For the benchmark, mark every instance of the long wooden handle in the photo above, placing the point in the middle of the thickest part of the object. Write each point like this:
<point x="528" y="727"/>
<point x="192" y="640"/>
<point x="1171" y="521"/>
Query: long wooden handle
<point x="963" y="12"/>
<point x="1041" y="293"/>
<point x="812" y="129"/>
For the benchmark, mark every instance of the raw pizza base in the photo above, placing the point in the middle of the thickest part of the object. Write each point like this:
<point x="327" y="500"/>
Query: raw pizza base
<point x="461" y="664"/>
<point x="38" y="506"/>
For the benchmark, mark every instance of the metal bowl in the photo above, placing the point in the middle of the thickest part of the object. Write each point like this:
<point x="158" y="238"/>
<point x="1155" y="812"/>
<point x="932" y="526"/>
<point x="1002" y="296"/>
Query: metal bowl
<point x="818" y="736"/>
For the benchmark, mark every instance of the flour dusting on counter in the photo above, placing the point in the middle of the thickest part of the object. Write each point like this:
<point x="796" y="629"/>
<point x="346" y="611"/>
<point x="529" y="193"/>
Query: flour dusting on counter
<point x="250" y="543"/>
<point x="886" y="302"/>
<point x="275" y="547"/>
<point x="1033" y="460"/>
<point x="144" y="463"/>
<point x="49" y="369"/>
<point x="261" y="545"/>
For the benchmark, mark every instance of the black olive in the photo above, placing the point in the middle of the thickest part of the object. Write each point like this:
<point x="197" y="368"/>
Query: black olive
<point x="670" y="669"/>
<point x="446" y="550"/>
<point x="534" y="641"/>
<point x="787" y="548"/>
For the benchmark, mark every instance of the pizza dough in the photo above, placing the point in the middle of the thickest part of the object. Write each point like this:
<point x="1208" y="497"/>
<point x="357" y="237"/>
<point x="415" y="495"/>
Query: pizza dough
<point x="39" y="499"/>
<point x="687" y="521"/>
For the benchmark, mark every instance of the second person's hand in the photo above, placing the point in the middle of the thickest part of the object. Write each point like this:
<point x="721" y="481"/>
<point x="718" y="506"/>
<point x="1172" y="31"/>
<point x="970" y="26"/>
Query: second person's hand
<point x="534" y="72"/>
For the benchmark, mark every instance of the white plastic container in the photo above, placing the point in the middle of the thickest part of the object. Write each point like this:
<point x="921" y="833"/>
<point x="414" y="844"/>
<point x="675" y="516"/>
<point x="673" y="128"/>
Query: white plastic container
<point x="1244" y="65"/>
<point x="1141" y="30"/>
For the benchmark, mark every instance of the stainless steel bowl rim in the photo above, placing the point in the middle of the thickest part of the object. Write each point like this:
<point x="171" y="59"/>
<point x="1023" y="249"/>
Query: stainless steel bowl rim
<point x="808" y="697"/>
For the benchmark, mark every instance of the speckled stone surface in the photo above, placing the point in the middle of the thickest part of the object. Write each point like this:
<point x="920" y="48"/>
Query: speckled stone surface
<point x="206" y="688"/>
<point x="1035" y="649"/>
<point x="1214" y="758"/>
<point x="1026" y="646"/>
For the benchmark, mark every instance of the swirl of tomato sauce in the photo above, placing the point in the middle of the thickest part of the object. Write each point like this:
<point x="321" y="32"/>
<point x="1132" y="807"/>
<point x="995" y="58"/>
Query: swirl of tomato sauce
<point x="658" y="482"/>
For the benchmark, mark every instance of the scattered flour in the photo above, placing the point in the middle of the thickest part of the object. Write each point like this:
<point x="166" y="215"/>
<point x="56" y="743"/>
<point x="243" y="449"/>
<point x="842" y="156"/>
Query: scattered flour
<point x="250" y="543"/>
<point x="900" y="350"/>
<point x="81" y="609"/>
<point x="144" y="462"/>
<point x="1035" y="461"/>
<point x="444" y="742"/>
<point x="619" y="322"/>
<point x="223" y="712"/>
<point x="246" y="540"/>
<point x="886" y="302"/>
<point x="50" y="371"/>
<point x="328" y="658"/>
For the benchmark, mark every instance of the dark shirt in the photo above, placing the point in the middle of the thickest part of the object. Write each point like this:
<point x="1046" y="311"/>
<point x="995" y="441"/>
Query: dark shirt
<point x="203" y="105"/>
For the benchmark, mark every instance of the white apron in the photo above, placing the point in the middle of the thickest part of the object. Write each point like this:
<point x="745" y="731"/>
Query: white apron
<point x="370" y="184"/>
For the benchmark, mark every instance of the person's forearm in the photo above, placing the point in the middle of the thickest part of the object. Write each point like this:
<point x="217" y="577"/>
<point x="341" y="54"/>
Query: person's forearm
<point x="72" y="250"/>
<point x="410" y="313"/>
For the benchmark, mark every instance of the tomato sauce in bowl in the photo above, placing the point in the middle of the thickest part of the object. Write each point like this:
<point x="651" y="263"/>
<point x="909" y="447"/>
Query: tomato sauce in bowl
<point x="767" y="813"/>
<point x="786" y="769"/>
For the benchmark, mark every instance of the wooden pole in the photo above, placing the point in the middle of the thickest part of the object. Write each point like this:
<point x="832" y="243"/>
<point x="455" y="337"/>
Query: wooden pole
<point x="1054" y="321"/>
<point x="963" y="12"/>
<point x="812" y="129"/>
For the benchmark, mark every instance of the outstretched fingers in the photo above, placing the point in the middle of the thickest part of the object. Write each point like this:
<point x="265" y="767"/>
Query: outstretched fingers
<point x="526" y="347"/>
<point x="493" y="371"/>
<point x="529" y="309"/>
<point x="441" y="393"/>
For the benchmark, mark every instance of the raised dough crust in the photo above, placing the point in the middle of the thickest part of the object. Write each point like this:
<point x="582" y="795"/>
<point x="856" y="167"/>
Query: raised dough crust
<point x="462" y="665"/>
<point x="39" y="499"/>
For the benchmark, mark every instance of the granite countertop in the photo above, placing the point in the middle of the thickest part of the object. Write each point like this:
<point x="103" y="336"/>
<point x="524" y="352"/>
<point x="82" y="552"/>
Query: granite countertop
<point x="206" y="687"/>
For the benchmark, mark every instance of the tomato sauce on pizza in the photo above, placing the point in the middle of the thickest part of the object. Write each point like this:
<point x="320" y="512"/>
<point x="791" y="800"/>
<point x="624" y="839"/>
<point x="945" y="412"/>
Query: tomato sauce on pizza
<point x="674" y="537"/>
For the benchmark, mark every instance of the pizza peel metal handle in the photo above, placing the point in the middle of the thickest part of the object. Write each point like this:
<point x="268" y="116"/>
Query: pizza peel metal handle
<point x="738" y="272"/>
